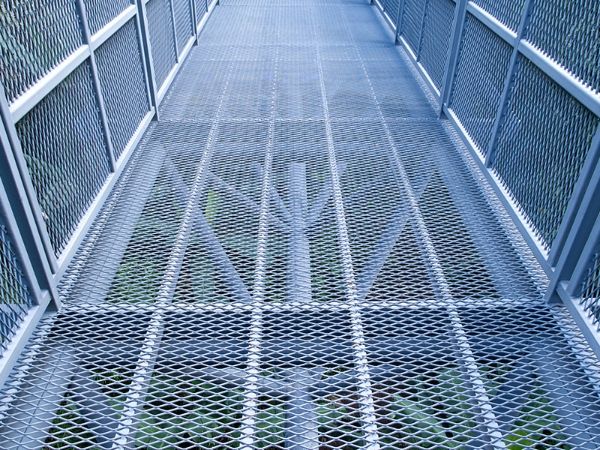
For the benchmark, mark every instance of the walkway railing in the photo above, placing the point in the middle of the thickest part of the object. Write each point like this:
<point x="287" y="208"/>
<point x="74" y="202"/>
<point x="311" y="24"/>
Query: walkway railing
<point x="79" y="84"/>
<point x="520" y="81"/>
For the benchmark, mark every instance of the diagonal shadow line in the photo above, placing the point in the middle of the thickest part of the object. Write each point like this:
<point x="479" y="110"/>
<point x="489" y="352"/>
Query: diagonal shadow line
<point x="211" y="240"/>
<point x="95" y="405"/>
<point x="385" y="246"/>
<point x="316" y="209"/>
<point x="325" y="193"/>
<point x="277" y="200"/>
<point x="225" y="186"/>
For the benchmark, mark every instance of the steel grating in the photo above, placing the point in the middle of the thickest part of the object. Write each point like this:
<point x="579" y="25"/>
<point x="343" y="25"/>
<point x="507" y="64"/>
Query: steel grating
<point x="301" y="255"/>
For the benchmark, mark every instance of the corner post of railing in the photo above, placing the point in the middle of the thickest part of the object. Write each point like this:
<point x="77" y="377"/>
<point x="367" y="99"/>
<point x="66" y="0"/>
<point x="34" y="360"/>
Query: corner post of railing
<point x="458" y="25"/>
<point x="399" y="17"/>
<point x="500" y="113"/>
<point x="578" y="238"/>
<point x="144" y="36"/>
<point x="87" y="38"/>
<point x="16" y="168"/>
<point x="174" y="30"/>
<point x="24" y="219"/>
<point x="194" y="20"/>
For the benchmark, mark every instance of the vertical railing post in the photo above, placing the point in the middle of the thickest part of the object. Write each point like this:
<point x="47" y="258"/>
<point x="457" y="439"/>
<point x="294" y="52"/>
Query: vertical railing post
<point x="27" y="222"/>
<point x="489" y="156"/>
<point x="580" y="232"/>
<point x="460" y="16"/>
<point x="144" y="36"/>
<point x="87" y="39"/>
<point x="16" y="165"/>
<point x="194" y="20"/>
<point x="423" y="19"/>
<point x="399" y="18"/>
<point x="172" y="6"/>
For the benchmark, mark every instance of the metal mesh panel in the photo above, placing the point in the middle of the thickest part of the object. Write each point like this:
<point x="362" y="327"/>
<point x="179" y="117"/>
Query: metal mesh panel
<point x="200" y="9"/>
<point x="183" y="21"/>
<point x="436" y="38"/>
<point x="121" y="73"/>
<point x="412" y="19"/>
<point x="162" y="40"/>
<point x="35" y="36"/>
<point x="480" y="74"/>
<point x="590" y="297"/>
<point x="391" y="8"/>
<point x="14" y="292"/>
<point x="506" y="11"/>
<point x="269" y="275"/>
<point x="100" y="12"/>
<point x="66" y="154"/>
<point x="569" y="33"/>
<point x="542" y="120"/>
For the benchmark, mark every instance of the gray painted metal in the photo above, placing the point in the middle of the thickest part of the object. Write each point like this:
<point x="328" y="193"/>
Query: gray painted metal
<point x="489" y="155"/>
<point x="97" y="88"/>
<point x="460" y="13"/>
<point x="15" y="164"/>
<point x="300" y="254"/>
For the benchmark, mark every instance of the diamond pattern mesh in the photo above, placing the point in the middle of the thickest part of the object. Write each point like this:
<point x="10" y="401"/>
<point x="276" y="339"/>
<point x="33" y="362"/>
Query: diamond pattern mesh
<point x="14" y="291"/>
<point x="100" y="12"/>
<point x="569" y="33"/>
<point x="292" y="260"/>
<point x="183" y="21"/>
<point x="543" y="120"/>
<point x="162" y="40"/>
<point x="65" y="154"/>
<point x="391" y="8"/>
<point x="35" y="36"/>
<point x="479" y="80"/>
<point x="201" y="8"/>
<point x="506" y="11"/>
<point x="121" y="74"/>
<point x="436" y="38"/>
<point x="411" y="22"/>
<point x="590" y="297"/>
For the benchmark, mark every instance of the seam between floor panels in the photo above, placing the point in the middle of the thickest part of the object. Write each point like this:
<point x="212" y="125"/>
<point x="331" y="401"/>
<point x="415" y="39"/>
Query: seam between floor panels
<point x="151" y="344"/>
<point x="255" y="335"/>
<point x="367" y="409"/>
<point x="475" y="377"/>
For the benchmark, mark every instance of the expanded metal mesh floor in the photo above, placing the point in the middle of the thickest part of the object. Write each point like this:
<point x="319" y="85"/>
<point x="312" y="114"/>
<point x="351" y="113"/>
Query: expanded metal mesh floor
<point x="301" y="255"/>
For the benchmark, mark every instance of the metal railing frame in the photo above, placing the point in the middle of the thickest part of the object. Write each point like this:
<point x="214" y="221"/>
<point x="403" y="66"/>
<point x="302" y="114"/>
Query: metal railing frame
<point x="569" y="255"/>
<point x="18" y="200"/>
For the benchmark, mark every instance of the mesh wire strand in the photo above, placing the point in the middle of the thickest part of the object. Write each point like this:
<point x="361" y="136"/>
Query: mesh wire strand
<point x="299" y="255"/>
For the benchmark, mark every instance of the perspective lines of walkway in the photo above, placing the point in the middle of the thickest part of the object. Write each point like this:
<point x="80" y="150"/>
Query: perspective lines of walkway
<point x="300" y="255"/>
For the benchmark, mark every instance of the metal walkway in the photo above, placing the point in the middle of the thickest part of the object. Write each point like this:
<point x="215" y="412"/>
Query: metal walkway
<point x="301" y="254"/>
